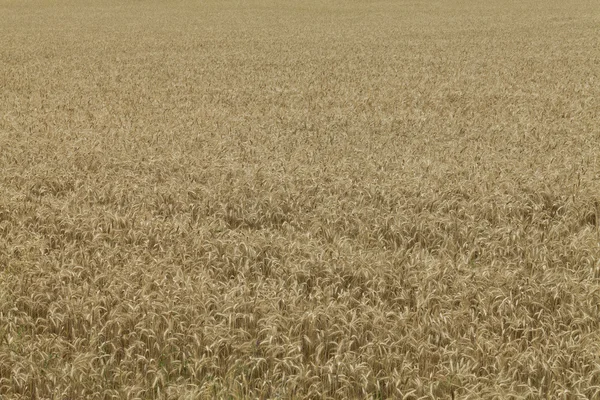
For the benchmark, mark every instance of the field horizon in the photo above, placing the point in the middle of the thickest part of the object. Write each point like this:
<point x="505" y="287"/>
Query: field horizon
<point x="299" y="200"/>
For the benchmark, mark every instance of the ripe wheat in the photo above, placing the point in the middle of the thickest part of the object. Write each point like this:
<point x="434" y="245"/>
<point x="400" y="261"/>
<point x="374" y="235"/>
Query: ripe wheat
<point x="276" y="199"/>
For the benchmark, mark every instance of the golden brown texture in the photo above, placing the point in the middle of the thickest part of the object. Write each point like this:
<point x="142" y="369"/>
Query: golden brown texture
<point x="278" y="199"/>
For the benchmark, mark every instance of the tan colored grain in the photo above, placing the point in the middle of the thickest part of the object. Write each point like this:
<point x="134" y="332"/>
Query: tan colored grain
<point x="326" y="200"/>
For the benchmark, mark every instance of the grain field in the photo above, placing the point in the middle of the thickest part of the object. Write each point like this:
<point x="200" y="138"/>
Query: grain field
<point x="276" y="199"/>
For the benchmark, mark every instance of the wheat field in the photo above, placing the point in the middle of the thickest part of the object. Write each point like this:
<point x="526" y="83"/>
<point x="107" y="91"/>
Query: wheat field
<point x="268" y="199"/>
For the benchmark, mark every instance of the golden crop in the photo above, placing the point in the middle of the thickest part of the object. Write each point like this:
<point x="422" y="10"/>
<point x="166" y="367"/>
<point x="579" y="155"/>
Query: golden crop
<point x="299" y="199"/>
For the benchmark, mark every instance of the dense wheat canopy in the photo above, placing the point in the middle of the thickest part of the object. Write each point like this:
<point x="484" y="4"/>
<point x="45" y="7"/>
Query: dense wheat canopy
<point x="299" y="199"/>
